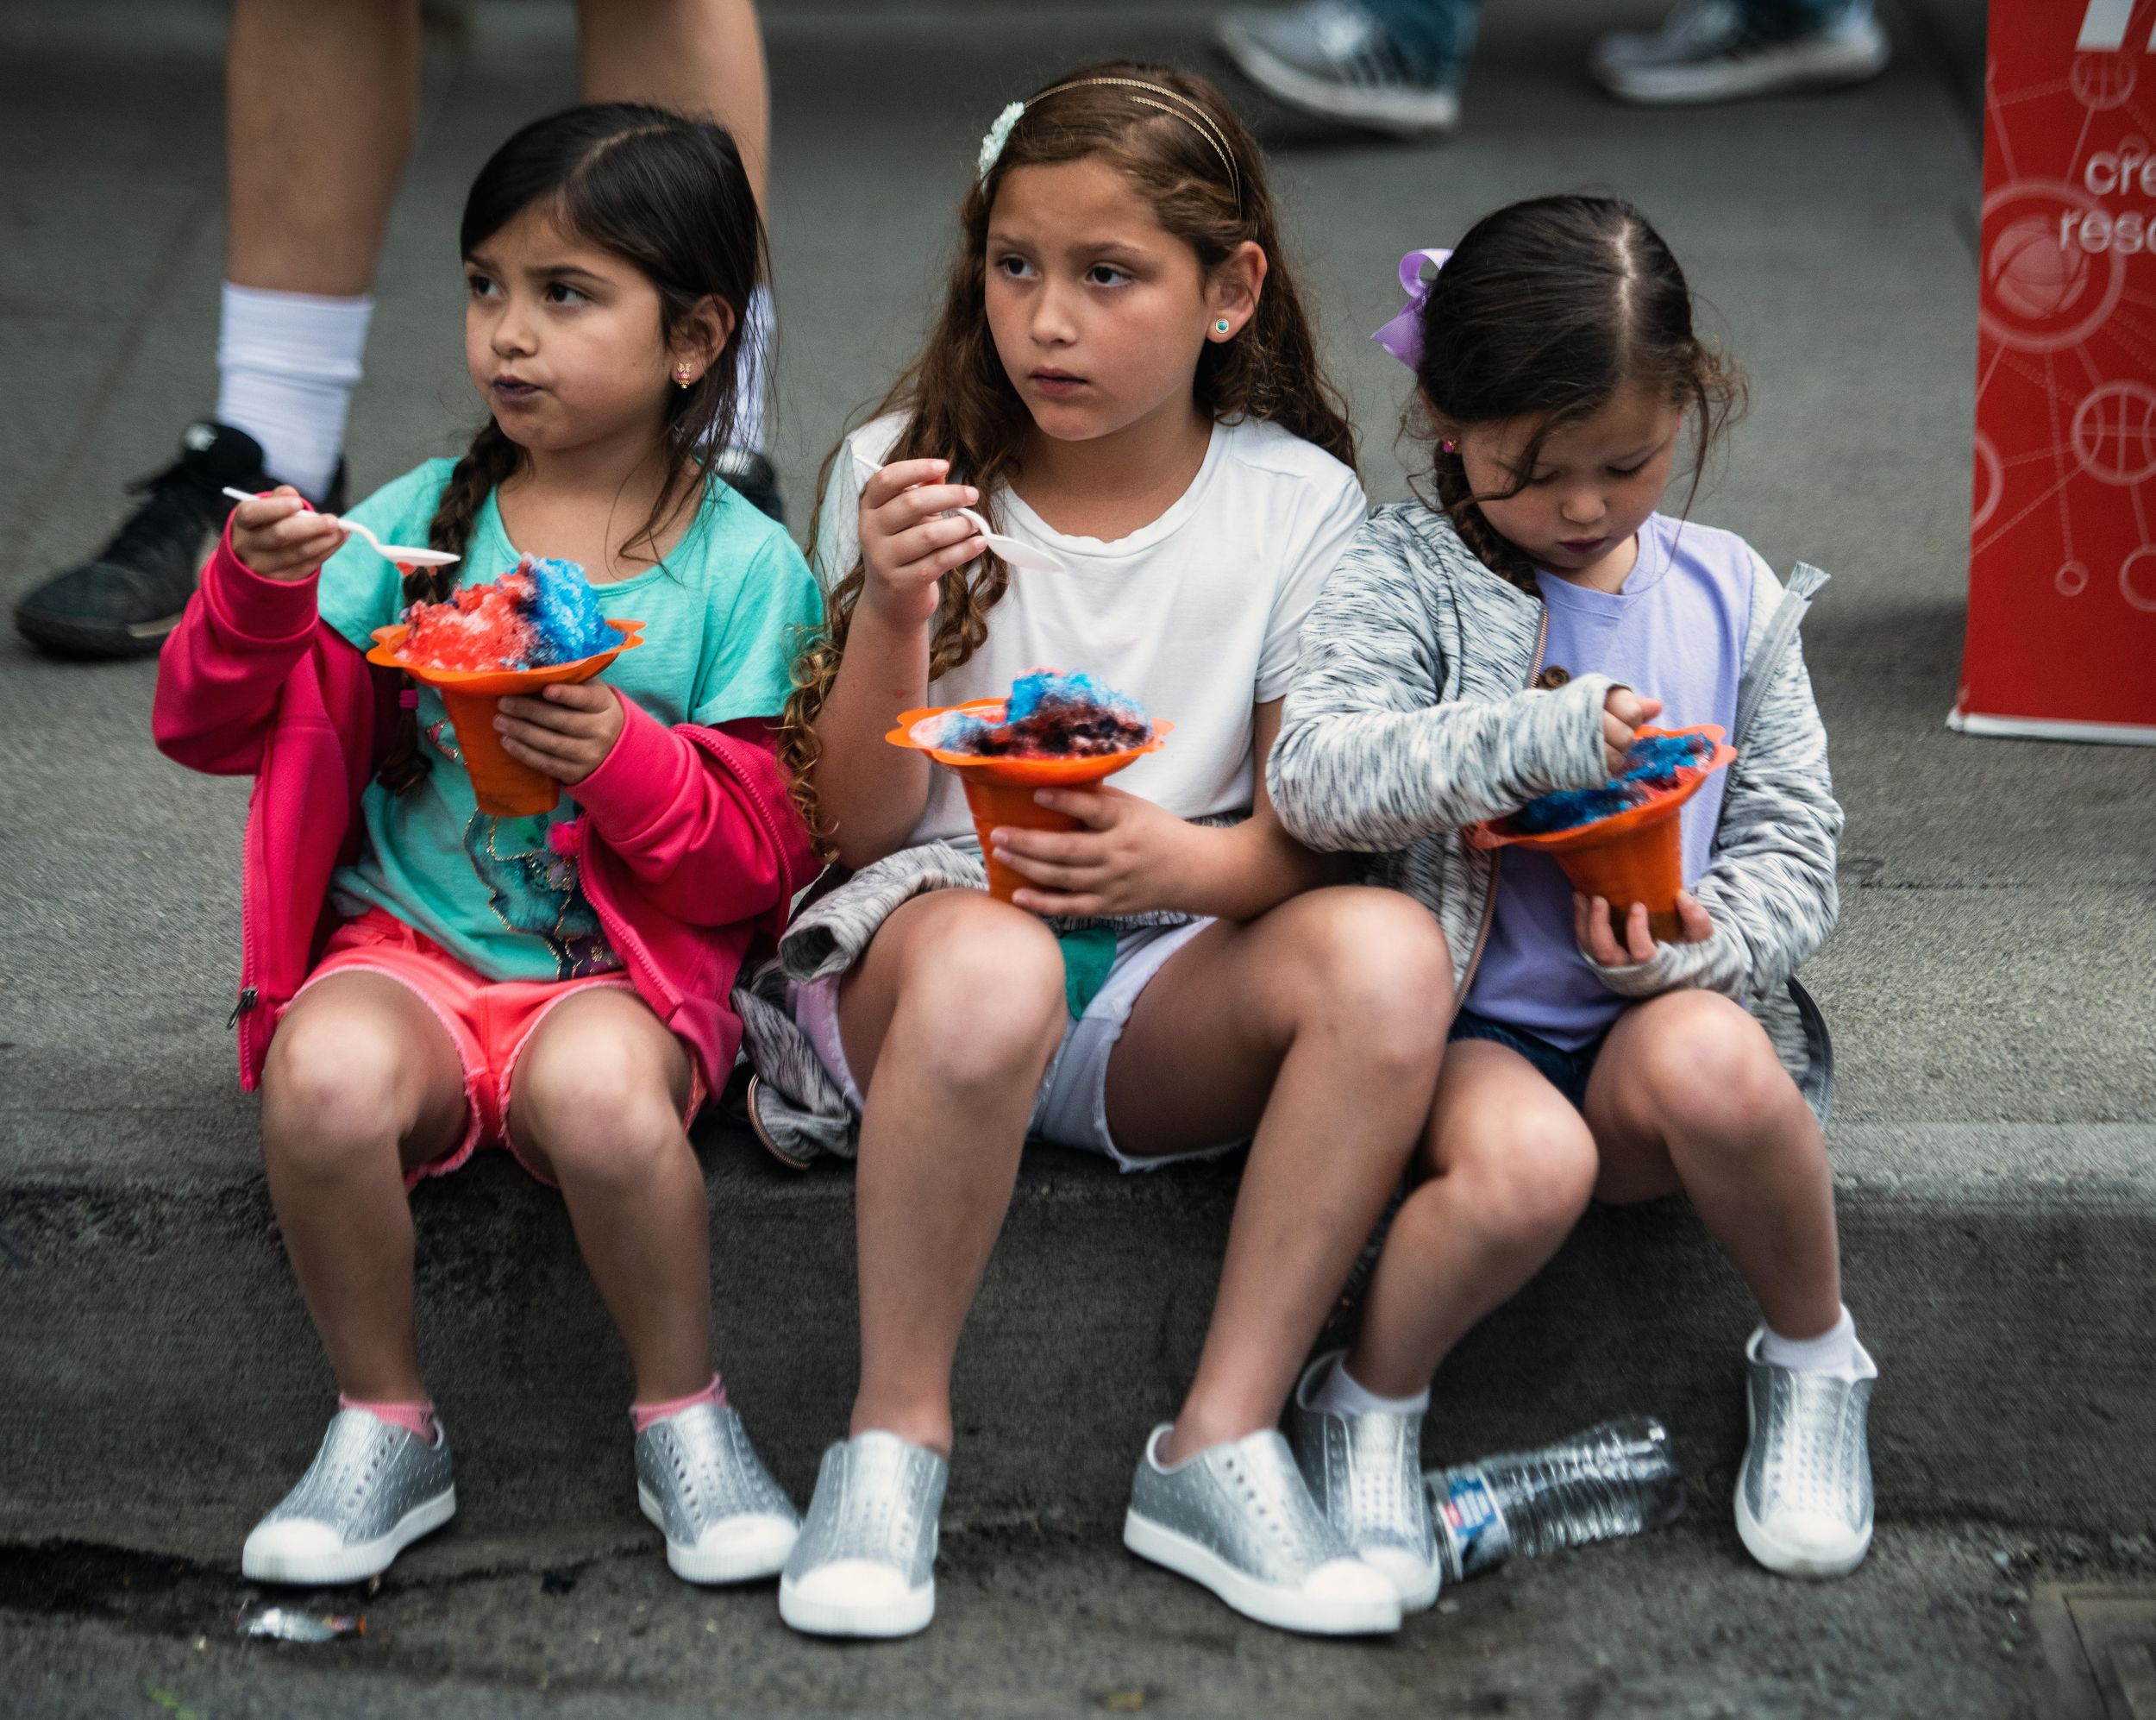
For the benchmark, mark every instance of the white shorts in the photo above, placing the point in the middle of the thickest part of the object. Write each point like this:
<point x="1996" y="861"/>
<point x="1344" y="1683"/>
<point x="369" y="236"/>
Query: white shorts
<point x="1071" y="1108"/>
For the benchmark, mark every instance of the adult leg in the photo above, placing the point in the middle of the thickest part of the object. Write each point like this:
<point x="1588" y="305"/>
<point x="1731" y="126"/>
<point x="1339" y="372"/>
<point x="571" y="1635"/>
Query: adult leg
<point x="1317" y="1029"/>
<point x="1689" y="1094"/>
<point x="694" y="56"/>
<point x="701" y="56"/>
<point x="1507" y="1166"/>
<point x="362" y="1082"/>
<point x="320" y="96"/>
<point x="948" y="1022"/>
<point x="320" y="100"/>
<point x="595" y="1103"/>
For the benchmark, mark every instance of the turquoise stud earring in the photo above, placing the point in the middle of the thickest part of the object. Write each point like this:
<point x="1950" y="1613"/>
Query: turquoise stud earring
<point x="1222" y="326"/>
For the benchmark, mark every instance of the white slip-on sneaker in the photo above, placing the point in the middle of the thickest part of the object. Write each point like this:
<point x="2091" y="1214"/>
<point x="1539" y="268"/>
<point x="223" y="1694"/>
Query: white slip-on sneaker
<point x="1237" y="1518"/>
<point x="1365" y="1474"/>
<point x="1804" y="1503"/>
<point x="371" y="1491"/>
<point x="864" y="1565"/>
<point x="726" y="1520"/>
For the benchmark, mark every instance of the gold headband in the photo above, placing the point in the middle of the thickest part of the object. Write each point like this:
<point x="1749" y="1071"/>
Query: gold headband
<point x="1189" y="113"/>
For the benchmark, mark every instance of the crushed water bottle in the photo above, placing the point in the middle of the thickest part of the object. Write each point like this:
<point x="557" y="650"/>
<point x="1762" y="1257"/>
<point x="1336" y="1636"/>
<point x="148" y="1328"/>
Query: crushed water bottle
<point x="1612" y="1480"/>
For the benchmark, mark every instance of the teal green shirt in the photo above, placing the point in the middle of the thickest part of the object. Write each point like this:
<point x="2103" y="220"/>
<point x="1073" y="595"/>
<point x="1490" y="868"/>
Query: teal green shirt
<point x="720" y="616"/>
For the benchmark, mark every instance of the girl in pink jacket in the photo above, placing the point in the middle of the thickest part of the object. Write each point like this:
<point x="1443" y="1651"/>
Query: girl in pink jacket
<point x="420" y="979"/>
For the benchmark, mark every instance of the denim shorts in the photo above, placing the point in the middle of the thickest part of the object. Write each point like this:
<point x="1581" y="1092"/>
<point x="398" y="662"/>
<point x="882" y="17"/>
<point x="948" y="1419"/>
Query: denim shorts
<point x="1567" y="1071"/>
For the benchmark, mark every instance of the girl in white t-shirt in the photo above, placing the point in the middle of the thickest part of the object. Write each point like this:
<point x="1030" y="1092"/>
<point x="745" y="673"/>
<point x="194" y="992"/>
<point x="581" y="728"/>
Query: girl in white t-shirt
<point x="1121" y="373"/>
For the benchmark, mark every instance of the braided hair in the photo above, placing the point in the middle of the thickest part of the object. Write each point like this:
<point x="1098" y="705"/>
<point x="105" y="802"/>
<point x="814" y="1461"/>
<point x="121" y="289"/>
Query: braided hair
<point x="667" y="194"/>
<point x="1548" y="308"/>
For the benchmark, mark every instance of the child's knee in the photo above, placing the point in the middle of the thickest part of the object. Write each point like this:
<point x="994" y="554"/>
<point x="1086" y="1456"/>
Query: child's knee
<point x="604" y="1110"/>
<point x="1375" y="967"/>
<point x="331" y="1088"/>
<point x="1711" y="1067"/>
<point x="990" y="990"/>
<point x="1533" y="1186"/>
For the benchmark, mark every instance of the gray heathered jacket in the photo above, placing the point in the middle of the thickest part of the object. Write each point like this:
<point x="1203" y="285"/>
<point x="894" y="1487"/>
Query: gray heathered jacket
<point x="1414" y="714"/>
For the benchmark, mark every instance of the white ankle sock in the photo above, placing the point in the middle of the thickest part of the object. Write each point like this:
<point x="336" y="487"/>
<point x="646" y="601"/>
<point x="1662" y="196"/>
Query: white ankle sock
<point x="754" y="376"/>
<point x="1835" y="1351"/>
<point x="1342" y="1394"/>
<point x="286" y="364"/>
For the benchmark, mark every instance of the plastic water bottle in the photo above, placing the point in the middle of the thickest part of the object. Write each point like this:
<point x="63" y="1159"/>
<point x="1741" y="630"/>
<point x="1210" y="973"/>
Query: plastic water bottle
<point x="1612" y="1480"/>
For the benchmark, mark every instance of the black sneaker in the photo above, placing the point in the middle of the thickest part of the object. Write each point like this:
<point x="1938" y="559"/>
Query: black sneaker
<point x="123" y="601"/>
<point x="755" y="478"/>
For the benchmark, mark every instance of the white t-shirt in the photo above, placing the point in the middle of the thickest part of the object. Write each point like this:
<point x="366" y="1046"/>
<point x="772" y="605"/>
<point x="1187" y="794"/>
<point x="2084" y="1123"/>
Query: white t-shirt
<point x="1196" y="616"/>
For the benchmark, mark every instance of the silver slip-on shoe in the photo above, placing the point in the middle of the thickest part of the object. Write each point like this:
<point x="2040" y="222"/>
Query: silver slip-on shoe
<point x="1365" y="1474"/>
<point x="724" y="1518"/>
<point x="1237" y="1518"/>
<point x="864" y="1565"/>
<point x="371" y="1491"/>
<point x="1804" y="1489"/>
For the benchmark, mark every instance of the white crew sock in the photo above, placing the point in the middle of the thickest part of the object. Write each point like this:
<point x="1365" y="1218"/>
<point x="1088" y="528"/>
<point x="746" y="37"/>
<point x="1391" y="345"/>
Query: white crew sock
<point x="1342" y="1394"/>
<point x="1836" y="1352"/>
<point x="286" y="364"/>
<point x="752" y="377"/>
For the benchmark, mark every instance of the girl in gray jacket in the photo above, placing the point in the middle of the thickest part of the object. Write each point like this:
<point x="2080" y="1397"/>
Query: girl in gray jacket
<point x="1505" y="641"/>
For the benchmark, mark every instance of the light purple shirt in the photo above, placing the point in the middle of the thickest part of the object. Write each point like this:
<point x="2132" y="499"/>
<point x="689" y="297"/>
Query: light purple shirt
<point x="1675" y="632"/>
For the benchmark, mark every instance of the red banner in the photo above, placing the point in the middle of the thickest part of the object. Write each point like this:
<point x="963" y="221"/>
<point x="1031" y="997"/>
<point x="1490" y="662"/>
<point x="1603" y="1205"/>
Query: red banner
<point x="2062" y="564"/>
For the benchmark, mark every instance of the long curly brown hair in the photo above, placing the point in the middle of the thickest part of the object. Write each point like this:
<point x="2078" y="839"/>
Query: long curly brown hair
<point x="1204" y="179"/>
<point x="667" y="194"/>
<point x="1547" y="308"/>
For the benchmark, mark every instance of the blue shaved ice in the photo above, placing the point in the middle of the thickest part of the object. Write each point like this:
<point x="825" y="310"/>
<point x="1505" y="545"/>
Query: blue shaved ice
<point x="1652" y="767"/>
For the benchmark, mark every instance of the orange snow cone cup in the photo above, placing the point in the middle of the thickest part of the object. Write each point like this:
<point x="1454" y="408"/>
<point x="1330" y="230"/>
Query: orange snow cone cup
<point x="502" y="786"/>
<point x="1000" y="791"/>
<point x="1634" y="856"/>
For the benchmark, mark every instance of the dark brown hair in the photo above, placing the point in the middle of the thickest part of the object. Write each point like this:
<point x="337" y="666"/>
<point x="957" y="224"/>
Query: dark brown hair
<point x="668" y="195"/>
<point x="1546" y="309"/>
<point x="1200" y="171"/>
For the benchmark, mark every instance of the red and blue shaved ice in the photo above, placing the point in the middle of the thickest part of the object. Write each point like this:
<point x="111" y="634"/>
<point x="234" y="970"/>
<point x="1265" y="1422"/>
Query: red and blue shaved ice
<point x="542" y="612"/>
<point x="1049" y="715"/>
<point x="1653" y="764"/>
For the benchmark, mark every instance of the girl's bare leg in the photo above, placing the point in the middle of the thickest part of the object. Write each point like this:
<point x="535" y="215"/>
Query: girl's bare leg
<point x="948" y="1022"/>
<point x="1317" y="1029"/>
<point x="596" y="1103"/>
<point x="1508" y="1168"/>
<point x="1689" y="1094"/>
<point x="362" y="1083"/>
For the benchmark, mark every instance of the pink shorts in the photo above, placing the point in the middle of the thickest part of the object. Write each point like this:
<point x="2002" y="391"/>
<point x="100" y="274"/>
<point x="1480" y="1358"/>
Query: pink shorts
<point x="489" y="1021"/>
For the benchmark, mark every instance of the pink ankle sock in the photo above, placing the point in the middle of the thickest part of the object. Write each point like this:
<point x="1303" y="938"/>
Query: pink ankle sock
<point x="644" y="1414"/>
<point x="415" y="1419"/>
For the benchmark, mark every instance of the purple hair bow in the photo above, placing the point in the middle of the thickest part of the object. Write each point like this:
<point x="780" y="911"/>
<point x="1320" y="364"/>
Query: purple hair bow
<point x="1402" y="336"/>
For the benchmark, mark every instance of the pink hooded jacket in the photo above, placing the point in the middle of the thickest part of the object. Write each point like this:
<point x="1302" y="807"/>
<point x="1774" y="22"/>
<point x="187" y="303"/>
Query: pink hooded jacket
<point x="688" y="843"/>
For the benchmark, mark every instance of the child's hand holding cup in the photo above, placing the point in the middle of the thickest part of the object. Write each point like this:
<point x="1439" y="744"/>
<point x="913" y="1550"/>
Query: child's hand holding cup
<point x="279" y="537"/>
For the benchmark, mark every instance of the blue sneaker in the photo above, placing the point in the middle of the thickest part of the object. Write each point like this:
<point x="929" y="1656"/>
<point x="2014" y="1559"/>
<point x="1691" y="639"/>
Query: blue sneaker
<point x="1336" y="59"/>
<point x="1719" y="50"/>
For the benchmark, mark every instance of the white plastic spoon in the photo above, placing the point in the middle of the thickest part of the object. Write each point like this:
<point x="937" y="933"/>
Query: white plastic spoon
<point x="403" y="554"/>
<point x="1015" y="550"/>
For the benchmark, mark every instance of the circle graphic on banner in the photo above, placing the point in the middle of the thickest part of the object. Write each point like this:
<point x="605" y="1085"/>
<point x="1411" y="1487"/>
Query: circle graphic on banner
<point x="2137" y="578"/>
<point x="2041" y="294"/>
<point x="2102" y="81"/>
<point x="2071" y="578"/>
<point x="1990" y="481"/>
<point x="2115" y="432"/>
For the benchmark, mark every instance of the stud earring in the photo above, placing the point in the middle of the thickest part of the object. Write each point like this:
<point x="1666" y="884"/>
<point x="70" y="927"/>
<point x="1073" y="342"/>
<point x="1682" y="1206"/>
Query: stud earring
<point x="682" y="376"/>
<point x="1222" y="326"/>
<point x="1449" y="446"/>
